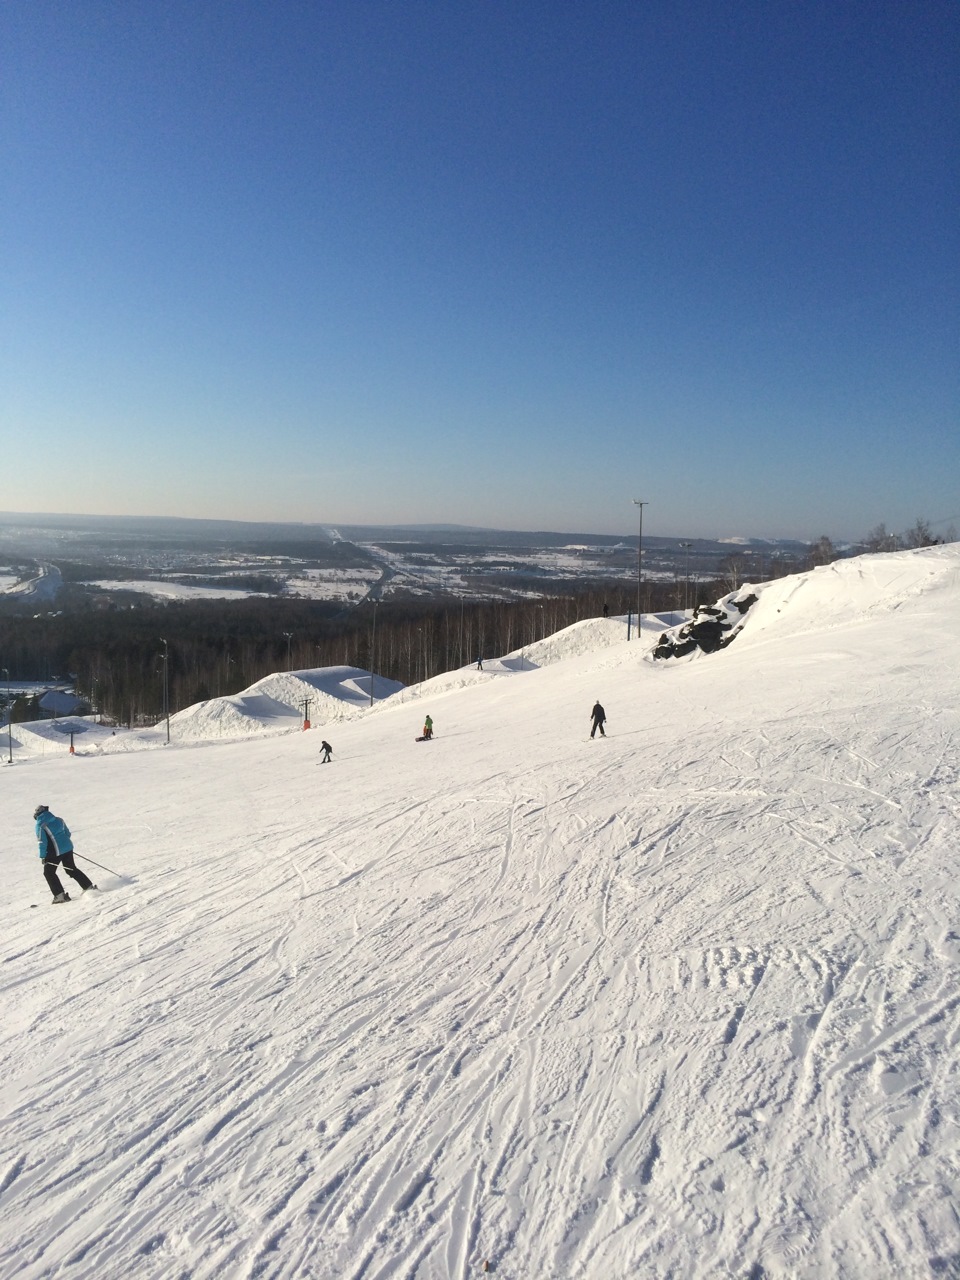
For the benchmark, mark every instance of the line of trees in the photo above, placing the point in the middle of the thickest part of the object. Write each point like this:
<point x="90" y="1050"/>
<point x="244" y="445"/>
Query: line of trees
<point x="743" y="566"/>
<point x="217" y="648"/>
<point x="920" y="534"/>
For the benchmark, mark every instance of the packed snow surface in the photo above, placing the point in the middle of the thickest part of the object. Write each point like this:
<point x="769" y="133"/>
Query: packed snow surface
<point x="681" y="1002"/>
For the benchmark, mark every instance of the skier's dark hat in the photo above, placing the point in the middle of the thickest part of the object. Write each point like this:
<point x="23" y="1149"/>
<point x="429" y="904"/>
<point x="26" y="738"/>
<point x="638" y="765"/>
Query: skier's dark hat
<point x="41" y="808"/>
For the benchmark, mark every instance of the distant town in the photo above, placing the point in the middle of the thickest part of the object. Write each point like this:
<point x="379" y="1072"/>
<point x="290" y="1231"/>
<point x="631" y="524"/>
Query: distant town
<point x="64" y="562"/>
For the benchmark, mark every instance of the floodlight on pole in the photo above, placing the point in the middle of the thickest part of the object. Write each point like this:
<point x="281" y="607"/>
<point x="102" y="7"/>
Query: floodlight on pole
<point x="9" y="704"/>
<point x="166" y="684"/>
<point x="641" y="505"/>
<point x="685" y="547"/>
<point x="373" y="647"/>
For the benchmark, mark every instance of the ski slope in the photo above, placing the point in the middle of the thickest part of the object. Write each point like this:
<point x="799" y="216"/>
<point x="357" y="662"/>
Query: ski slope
<point x="681" y="1002"/>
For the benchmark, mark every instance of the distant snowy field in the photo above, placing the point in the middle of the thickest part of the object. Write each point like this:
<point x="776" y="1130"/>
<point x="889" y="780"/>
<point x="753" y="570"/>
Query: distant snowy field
<point x="332" y="584"/>
<point x="505" y="574"/>
<point x="319" y="584"/>
<point x="158" y="589"/>
<point x="681" y="1002"/>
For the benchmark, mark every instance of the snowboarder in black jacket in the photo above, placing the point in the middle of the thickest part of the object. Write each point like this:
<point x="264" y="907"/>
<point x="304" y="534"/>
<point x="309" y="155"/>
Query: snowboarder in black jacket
<point x="599" y="715"/>
<point x="327" y="750"/>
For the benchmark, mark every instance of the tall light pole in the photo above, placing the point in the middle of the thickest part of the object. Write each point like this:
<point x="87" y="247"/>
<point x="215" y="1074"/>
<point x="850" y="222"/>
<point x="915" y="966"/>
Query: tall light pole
<point x="166" y="684"/>
<point x="641" y="505"/>
<point x="289" y="635"/>
<point x="685" y="546"/>
<point x="373" y="648"/>
<point x="9" y="703"/>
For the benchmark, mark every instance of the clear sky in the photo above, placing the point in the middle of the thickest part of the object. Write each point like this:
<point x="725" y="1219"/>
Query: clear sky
<point x="509" y="262"/>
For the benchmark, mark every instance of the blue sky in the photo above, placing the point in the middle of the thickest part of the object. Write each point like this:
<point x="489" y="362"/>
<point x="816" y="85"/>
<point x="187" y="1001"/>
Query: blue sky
<point x="499" y="263"/>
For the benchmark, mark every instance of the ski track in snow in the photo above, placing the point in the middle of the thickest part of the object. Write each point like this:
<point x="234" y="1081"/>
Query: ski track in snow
<point x="684" y="1003"/>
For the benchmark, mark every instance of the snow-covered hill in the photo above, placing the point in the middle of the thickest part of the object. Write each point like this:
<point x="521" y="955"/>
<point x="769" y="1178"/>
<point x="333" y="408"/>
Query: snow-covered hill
<point x="681" y="1002"/>
<point x="325" y="695"/>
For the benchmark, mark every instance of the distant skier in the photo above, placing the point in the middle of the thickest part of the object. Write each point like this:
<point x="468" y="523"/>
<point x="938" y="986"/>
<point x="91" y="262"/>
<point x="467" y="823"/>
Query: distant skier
<point x="327" y="750"/>
<point x="599" y="716"/>
<point x="427" y="730"/>
<point x="56" y="849"/>
<point x="480" y="663"/>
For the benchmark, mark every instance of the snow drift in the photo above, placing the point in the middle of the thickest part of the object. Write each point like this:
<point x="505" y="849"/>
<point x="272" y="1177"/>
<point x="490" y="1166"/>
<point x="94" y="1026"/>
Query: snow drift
<point x="278" y="702"/>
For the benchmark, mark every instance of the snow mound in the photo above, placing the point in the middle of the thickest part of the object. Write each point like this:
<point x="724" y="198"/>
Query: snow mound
<point x="241" y="715"/>
<point x="850" y="592"/>
<point x="591" y="636"/>
<point x="845" y="593"/>
<point x="277" y="702"/>
<point x="335" y="693"/>
<point x="52" y="737"/>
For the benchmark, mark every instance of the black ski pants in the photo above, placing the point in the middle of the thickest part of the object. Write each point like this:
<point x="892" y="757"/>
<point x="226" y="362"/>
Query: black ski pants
<point x="50" y="864"/>
<point x="597" y="724"/>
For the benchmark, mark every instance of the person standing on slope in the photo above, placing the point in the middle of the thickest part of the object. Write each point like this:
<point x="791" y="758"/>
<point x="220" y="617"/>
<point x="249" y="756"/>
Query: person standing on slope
<point x="428" y="728"/>
<point x="599" y="715"/>
<point x="56" y="849"/>
<point x="327" y="750"/>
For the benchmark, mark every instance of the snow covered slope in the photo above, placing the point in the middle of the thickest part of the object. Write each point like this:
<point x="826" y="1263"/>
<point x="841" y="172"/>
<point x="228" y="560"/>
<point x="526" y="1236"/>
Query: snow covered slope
<point x="278" y="701"/>
<point x="682" y="1002"/>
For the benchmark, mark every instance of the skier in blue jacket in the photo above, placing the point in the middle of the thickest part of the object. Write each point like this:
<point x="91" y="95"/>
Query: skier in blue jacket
<point x="56" y="849"/>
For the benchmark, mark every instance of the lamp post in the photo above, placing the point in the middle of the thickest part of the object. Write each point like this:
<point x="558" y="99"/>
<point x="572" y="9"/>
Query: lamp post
<point x="373" y="647"/>
<point x="641" y="505"/>
<point x="166" y="684"/>
<point x="685" y="546"/>
<point x="289" y="635"/>
<point x="9" y="704"/>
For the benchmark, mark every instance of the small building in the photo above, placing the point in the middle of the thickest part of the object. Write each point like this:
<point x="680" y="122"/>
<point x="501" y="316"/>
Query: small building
<point x="56" y="702"/>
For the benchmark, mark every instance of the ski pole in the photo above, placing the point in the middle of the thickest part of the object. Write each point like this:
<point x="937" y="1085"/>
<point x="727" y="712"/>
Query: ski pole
<point x="100" y="865"/>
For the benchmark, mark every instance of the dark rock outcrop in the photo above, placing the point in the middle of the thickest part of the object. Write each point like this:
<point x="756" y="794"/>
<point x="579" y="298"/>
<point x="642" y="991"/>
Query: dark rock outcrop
<point x="711" y="628"/>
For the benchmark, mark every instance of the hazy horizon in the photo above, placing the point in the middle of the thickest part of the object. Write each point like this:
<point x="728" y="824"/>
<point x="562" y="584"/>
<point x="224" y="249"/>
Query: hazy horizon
<point x="12" y="516"/>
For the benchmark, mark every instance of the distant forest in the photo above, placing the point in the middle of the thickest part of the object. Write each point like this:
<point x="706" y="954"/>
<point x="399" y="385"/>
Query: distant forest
<point x="216" y="648"/>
